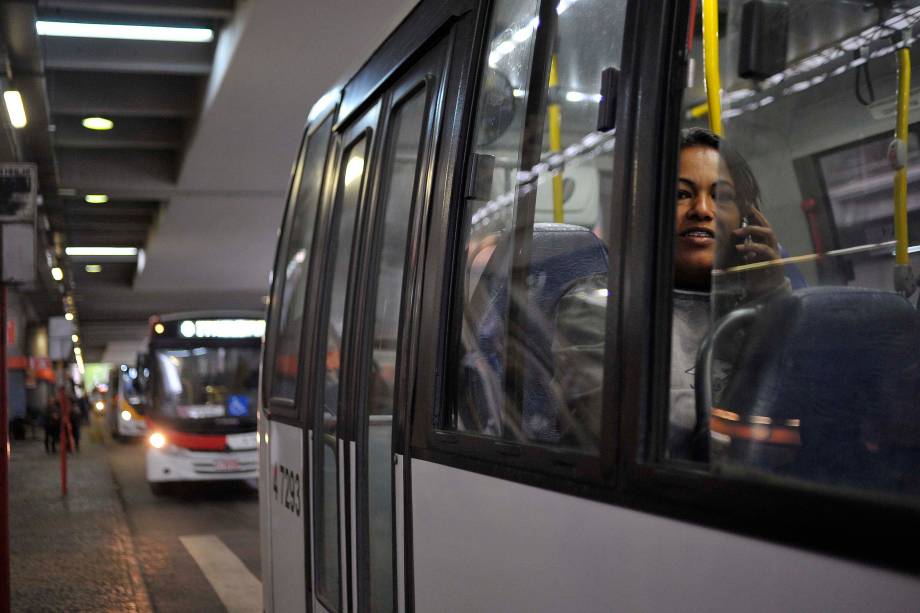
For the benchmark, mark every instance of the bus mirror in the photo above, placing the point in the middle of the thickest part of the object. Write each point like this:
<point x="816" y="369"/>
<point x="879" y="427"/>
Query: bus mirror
<point x="764" y="38"/>
<point x="607" y="109"/>
<point x="498" y="106"/>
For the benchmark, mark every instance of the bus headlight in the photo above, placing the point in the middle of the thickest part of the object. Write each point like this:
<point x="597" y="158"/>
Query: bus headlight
<point x="100" y="406"/>
<point x="157" y="440"/>
<point x="126" y="416"/>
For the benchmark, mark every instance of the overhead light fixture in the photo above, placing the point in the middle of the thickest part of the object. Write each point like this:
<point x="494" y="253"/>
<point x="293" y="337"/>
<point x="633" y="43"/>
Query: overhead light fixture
<point x="96" y="198"/>
<point x="74" y="338"/>
<point x="77" y="351"/>
<point x="159" y="328"/>
<point x="15" y="108"/>
<point x="68" y="316"/>
<point x="101" y="251"/>
<point x="93" y="268"/>
<point x="125" y="32"/>
<point x="57" y="274"/>
<point x="98" y="123"/>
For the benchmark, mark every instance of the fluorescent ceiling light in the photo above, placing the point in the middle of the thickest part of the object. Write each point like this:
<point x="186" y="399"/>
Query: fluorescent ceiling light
<point x="93" y="268"/>
<point x="101" y="251"/>
<point x="106" y="30"/>
<point x="98" y="123"/>
<point x="15" y="108"/>
<point x="96" y="198"/>
<point x="57" y="273"/>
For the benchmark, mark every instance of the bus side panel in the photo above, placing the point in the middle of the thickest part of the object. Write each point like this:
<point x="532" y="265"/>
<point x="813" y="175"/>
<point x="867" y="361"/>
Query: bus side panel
<point x="484" y="544"/>
<point x="287" y="495"/>
<point x="265" y="525"/>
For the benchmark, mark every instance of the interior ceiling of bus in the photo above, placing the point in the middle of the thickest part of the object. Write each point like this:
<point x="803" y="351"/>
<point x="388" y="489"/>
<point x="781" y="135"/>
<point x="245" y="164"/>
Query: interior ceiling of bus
<point x="197" y="166"/>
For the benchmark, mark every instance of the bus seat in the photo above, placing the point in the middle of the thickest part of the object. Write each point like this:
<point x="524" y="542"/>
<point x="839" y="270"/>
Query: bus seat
<point x="561" y="255"/>
<point x="840" y="365"/>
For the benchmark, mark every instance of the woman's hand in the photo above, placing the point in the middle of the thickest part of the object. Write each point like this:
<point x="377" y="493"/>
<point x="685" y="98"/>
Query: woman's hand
<point x="757" y="243"/>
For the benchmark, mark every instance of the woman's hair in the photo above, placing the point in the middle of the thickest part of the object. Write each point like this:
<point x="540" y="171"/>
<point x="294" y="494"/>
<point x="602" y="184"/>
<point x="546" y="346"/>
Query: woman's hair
<point x="746" y="189"/>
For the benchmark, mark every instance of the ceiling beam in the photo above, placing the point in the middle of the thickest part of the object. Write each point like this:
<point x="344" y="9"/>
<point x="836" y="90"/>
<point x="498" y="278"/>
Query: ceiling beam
<point x="104" y="171"/>
<point x="91" y="93"/>
<point x="128" y="133"/>
<point x="134" y="56"/>
<point x="199" y="9"/>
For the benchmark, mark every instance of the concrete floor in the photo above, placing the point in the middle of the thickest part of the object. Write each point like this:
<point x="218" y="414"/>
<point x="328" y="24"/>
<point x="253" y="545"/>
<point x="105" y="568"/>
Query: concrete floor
<point x="112" y="545"/>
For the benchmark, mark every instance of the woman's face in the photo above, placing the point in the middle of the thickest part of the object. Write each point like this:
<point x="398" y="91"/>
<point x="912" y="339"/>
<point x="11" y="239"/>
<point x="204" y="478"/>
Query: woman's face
<point x="706" y="214"/>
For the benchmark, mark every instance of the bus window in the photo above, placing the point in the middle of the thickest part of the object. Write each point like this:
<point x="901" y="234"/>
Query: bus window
<point x="401" y="170"/>
<point x="787" y="268"/>
<point x="534" y="282"/>
<point x="351" y="179"/>
<point x="291" y="277"/>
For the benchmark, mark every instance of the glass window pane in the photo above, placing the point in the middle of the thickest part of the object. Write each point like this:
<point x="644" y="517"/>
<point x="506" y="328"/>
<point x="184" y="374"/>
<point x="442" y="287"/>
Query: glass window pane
<point x="556" y="320"/>
<point x="327" y="531"/>
<point x="785" y="257"/>
<point x="401" y="173"/>
<point x="292" y="277"/>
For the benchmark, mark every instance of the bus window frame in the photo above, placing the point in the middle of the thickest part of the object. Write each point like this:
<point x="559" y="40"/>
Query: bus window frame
<point x="289" y="410"/>
<point x="635" y="475"/>
<point x="277" y="284"/>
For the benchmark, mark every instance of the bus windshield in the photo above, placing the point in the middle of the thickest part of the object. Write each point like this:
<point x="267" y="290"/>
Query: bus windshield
<point x="129" y="388"/>
<point x="207" y="385"/>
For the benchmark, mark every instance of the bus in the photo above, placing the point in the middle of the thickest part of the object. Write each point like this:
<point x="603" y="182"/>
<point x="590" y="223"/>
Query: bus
<point x="125" y="404"/>
<point x="202" y="380"/>
<point x="596" y="305"/>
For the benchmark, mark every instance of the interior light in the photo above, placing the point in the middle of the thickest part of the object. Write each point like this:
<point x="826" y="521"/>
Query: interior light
<point x="93" y="268"/>
<point x="157" y="440"/>
<point x="68" y="316"/>
<point x="77" y="351"/>
<point x="15" y="108"/>
<point x="98" y="123"/>
<point x="96" y="198"/>
<point x="129" y="32"/>
<point x="57" y="274"/>
<point x="354" y="169"/>
<point x="101" y="251"/>
<point x="159" y="328"/>
<point x="74" y="338"/>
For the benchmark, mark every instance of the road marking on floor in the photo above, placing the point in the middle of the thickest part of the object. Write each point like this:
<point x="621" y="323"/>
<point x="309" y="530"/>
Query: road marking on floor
<point x="237" y="588"/>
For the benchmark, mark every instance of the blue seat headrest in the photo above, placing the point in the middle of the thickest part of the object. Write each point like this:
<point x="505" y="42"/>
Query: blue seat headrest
<point x="561" y="255"/>
<point x="845" y="363"/>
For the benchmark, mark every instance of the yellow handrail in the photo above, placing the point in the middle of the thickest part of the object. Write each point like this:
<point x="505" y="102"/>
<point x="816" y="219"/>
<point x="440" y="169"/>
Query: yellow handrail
<point x="900" y="176"/>
<point x="711" y="64"/>
<point x="554" y="116"/>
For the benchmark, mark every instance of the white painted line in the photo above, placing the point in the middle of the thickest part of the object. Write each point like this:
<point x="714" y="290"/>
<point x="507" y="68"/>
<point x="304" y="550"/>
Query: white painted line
<point x="237" y="588"/>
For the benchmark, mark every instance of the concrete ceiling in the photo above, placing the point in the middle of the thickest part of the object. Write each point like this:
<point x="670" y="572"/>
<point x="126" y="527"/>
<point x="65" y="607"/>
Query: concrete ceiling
<point x="199" y="162"/>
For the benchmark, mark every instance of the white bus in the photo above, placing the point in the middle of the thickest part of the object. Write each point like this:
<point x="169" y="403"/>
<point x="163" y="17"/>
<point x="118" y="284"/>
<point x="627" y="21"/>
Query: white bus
<point x="201" y="397"/>
<point x="125" y="404"/>
<point x="537" y="344"/>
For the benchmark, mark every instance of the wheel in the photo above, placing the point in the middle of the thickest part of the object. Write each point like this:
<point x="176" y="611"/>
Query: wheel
<point x="159" y="488"/>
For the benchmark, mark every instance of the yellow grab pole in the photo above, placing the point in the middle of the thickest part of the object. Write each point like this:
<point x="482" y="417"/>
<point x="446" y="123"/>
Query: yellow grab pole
<point x="900" y="176"/>
<point x="554" y="116"/>
<point x="711" y="64"/>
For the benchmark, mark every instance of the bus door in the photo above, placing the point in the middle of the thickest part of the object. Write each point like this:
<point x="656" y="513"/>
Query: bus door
<point x="284" y="469"/>
<point x="373" y="241"/>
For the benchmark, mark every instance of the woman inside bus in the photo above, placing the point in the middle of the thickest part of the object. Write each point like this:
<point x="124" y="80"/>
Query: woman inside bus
<point x="718" y="224"/>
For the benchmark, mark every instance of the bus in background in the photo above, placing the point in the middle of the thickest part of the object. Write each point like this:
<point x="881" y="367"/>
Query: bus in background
<point x="125" y="403"/>
<point x="201" y="397"/>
